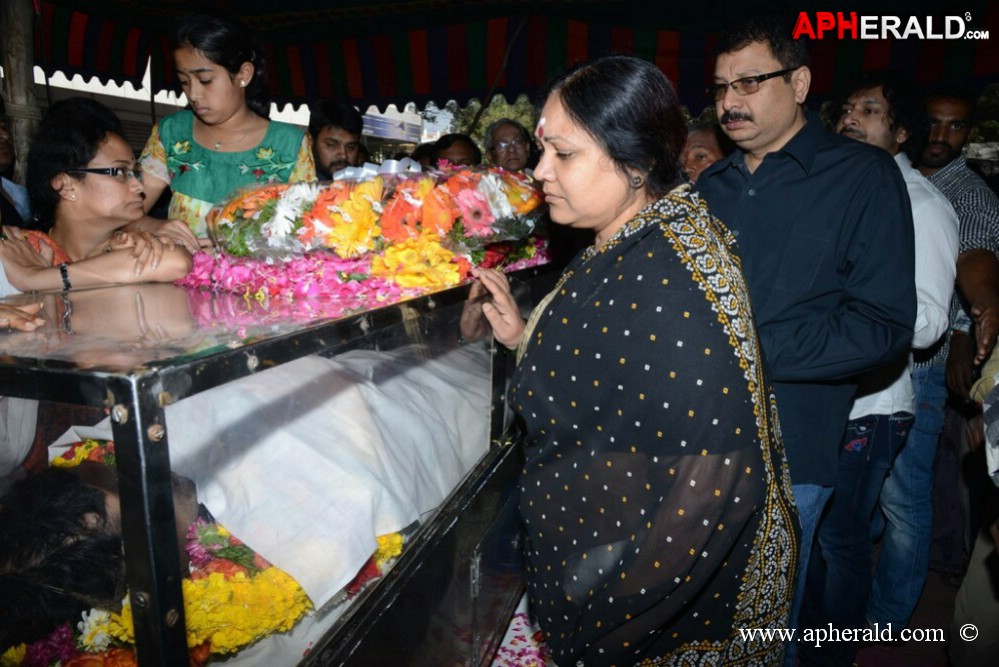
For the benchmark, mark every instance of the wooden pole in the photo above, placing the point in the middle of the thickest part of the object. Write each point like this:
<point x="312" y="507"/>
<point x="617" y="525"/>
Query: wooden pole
<point x="17" y="58"/>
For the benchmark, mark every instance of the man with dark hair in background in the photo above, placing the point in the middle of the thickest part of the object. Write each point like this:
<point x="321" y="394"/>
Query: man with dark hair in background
<point x="335" y="127"/>
<point x="885" y="110"/>
<point x="907" y="497"/>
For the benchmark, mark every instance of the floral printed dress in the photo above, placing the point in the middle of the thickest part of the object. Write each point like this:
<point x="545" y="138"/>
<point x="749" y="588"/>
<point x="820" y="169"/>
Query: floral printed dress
<point x="200" y="178"/>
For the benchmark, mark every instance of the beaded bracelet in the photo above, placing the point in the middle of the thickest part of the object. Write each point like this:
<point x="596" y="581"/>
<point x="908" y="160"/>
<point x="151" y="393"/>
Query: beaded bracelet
<point x="64" y="272"/>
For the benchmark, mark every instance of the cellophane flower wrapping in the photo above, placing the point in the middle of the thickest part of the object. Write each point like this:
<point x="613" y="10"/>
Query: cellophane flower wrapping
<point x="412" y="232"/>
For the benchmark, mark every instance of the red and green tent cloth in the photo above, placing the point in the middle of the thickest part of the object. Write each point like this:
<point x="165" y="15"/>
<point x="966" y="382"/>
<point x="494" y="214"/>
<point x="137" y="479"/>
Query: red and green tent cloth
<point x="395" y="52"/>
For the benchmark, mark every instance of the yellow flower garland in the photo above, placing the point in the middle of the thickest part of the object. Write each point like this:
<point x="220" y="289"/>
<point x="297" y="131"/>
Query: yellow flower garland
<point x="14" y="656"/>
<point x="230" y="613"/>
<point x="420" y="262"/>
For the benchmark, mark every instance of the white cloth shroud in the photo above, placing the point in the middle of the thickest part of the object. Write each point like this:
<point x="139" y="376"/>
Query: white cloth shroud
<point x="308" y="462"/>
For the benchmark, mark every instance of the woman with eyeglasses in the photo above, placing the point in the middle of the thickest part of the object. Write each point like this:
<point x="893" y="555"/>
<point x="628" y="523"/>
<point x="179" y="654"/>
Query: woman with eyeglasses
<point x="85" y="187"/>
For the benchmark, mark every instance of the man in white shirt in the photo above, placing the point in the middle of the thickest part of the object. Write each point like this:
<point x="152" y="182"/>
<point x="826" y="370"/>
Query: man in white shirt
<point x="884" y="110"/>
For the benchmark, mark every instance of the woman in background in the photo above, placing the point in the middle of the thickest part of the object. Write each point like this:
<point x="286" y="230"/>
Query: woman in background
<point x="225" y="139"/>
<point x="655" y="498"/>
<point x="84" y="187"/>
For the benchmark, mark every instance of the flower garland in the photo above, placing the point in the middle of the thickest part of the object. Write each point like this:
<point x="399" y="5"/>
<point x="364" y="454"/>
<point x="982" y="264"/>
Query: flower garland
<point x="369" y="242"/>
<point x="469" y="206"/>
<point x="232" y="598"/>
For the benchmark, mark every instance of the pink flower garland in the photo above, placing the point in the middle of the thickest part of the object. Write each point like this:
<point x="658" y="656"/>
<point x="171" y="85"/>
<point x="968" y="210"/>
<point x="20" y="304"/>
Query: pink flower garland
<point x="316" y="275"/>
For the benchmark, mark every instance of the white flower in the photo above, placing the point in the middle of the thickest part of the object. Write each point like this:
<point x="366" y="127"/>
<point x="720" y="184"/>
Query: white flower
<point x="294" y="201"/>
<point x="94" y="630"/>
<point x="491" y="186"/>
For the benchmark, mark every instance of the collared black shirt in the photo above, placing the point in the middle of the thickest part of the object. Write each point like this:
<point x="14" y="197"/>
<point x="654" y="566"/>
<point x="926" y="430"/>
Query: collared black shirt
<point x="824" y="229"/>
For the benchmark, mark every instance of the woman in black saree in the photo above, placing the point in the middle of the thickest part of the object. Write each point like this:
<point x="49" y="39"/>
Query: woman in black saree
<point x="655" y="497"/>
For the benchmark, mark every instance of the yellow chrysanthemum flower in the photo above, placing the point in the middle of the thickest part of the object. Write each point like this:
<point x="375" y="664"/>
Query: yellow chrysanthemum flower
<point x="356" y="227"/>
<point x="14" y="656"/>
<point x="80" y="454"/>
<point x="371" y="190"/>
<point x="420" y="262"/>
<point x="231" y="613"/>
<point x="389" y="547"/>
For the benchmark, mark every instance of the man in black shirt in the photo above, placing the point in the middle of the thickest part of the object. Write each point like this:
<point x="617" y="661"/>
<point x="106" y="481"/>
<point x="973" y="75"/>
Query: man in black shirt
<point x="824" y="229"/>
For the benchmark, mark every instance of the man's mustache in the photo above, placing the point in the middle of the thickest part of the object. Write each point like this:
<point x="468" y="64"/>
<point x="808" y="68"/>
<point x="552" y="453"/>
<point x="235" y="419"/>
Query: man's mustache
<point x="730" y="116"/>
<point x="942" y="144"/>
<point x="852" y="132"/>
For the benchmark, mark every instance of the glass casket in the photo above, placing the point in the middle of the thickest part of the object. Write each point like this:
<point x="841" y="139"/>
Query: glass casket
<point x="308" y="435"/>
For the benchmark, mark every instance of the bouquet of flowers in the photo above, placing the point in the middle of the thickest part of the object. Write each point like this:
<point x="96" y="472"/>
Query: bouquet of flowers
<point x="232" y="598"/>
<point x="392" y="236"/>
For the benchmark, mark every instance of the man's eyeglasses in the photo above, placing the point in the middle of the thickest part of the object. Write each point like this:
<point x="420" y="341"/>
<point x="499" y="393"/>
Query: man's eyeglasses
<point x="120" y="174"/>
<point x="747" y="85"/>
<point x="517" y="143"/>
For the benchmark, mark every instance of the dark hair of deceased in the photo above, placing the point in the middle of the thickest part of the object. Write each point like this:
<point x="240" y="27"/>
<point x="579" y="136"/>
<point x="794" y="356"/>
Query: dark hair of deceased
<point x="58" y="557"/>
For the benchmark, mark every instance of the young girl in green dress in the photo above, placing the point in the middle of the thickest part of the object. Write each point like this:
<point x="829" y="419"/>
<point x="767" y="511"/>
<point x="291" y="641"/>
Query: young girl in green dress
<point x="224" y="140"/>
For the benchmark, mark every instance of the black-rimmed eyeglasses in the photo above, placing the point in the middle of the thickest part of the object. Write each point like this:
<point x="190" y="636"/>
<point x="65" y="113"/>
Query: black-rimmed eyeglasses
<point x="747" y="85"/>
<point x="120" y="174"/>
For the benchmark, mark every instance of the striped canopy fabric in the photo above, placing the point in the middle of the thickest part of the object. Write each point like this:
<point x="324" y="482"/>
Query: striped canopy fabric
<point x="434" y="50"/>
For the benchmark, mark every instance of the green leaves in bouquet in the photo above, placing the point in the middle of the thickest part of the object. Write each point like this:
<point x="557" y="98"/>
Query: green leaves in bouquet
<point x="243" y="238"/>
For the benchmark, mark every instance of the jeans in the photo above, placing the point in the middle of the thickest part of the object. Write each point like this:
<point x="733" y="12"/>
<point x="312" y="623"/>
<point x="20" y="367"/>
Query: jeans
<point x="839" y="572"/>
<point x="906" y="500"/>
<point x="810" y="499"/>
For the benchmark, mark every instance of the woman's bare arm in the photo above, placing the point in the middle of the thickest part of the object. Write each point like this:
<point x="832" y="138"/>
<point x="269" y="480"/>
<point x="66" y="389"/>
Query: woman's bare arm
<point x="28" y="270"/>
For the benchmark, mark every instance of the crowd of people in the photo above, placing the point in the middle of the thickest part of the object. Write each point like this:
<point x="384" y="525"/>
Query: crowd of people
<point x="737" y="386"/>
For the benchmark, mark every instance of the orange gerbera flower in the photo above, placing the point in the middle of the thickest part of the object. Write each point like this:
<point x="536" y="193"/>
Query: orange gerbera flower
<point x="439" y="212"/>
<point x="331" y="196"/>
<point x="521" y="191"/>
<point x="462" y="180"/>
<point x="400" y="217"/>
<point x="257" y="199"/>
